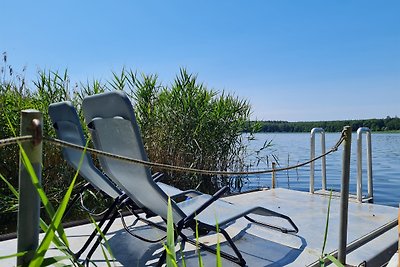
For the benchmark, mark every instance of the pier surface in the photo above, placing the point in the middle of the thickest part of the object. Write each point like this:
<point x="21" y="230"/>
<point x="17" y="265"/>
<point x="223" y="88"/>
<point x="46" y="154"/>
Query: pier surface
<point x="374" y="225"/>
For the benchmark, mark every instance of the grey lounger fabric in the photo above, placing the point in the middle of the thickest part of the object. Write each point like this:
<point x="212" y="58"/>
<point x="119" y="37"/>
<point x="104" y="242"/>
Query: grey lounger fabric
<point x="111" y="120"/>
<point x="68" y="128"/>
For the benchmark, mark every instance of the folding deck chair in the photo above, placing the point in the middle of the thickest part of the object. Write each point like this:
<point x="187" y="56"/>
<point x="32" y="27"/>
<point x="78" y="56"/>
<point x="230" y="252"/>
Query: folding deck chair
<point x="111" y="121"/>
<point x="68" y="128"/>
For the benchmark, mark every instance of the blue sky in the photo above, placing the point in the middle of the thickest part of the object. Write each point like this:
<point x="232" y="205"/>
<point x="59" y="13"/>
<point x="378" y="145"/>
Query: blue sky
<point x="293" y="60"/>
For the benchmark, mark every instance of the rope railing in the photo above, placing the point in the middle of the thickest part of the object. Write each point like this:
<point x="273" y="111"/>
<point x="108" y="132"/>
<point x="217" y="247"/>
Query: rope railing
<point x="15" y="140"/>
<point x="167" y="167"/>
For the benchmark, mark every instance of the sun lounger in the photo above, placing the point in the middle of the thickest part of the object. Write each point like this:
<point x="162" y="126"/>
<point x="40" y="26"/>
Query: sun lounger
<point x="111" y="121"/>
<point x="68" y="128"/>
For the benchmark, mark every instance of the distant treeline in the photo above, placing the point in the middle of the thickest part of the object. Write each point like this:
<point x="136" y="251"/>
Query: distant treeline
<point x="387" y="124"/>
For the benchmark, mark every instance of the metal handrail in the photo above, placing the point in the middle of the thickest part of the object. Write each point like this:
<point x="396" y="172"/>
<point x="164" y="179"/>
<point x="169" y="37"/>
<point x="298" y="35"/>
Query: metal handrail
<point x="312" y="165"/>
<point x="360" y="131"/>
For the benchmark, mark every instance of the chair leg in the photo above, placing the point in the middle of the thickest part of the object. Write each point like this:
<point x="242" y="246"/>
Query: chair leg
<point x="162" y="259"/>
<point x="94" y="233"/>
<point x="238" y="259"/>
<point x="71" y="204"/>
<point x="113" y="206"/>
<point x="97" y="243"/>
<point x="241" y="262"/>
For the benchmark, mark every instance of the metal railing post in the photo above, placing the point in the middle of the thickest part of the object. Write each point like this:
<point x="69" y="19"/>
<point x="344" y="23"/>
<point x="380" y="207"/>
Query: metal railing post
<point x="273" y="181"/>
<point x="344" y="197"/>
<point x="312" y="164"/>
<point x="29" y="202"/>
<point x="360" y="131"/>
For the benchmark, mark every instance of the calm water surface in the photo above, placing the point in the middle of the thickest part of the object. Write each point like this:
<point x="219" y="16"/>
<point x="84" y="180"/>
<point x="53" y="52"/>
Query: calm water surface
<point x="293" y="148"/>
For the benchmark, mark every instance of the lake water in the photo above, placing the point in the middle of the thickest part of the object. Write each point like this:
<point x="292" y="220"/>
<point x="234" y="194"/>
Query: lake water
<point x="293" y="148"/>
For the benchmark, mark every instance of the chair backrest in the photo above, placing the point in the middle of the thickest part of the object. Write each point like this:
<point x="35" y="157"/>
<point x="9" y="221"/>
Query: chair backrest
<point x="114" y="129"/>
<point x="68" y="128"/>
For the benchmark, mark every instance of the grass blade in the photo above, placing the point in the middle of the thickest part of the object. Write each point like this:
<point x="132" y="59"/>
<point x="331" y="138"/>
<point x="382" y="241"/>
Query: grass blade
<point x="105" y="256"/>
<point x="171" y="256"/>
<point x="59" y="244"/>
<point x="218" y="254"/>
<point x="334" y="260"/>
<point x="56" y="220"/>
<point x="327" y="224"/>
<point x="53" y="260"/>
<point x="50" y="233"/>
<point x="46" y="203"/>
<point x="198" y="246"/>
<point x="10" y="186"/>
<point x="105" y="241"/>
<point x="183" y="262"/>
<point x="13" y="255"/>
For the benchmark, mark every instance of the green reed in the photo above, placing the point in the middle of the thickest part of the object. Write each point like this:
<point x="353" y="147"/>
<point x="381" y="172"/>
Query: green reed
<point x="187" y="124"/>
<point x="183" y="124"/>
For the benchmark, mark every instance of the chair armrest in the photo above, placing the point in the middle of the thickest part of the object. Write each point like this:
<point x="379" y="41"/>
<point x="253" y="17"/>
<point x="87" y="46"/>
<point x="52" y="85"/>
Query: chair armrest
<point x="157" y="176"/>
<point x="214" y="197"/>
<point x="186" y="193"/>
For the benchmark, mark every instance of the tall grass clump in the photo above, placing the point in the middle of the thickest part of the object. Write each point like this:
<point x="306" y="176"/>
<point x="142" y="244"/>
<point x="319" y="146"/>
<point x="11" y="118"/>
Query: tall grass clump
<point x="184" y="124"/>
<point x="190" y="125"/>
<point x="15" y="95"/>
